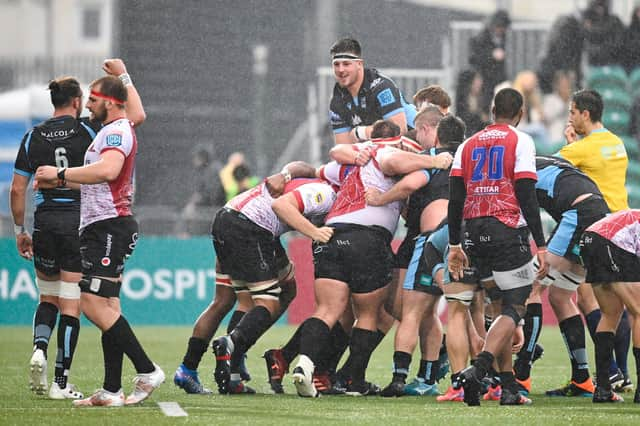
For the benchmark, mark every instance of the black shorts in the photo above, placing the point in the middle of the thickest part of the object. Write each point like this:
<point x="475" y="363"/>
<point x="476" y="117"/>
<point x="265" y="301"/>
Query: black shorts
<point x="426" y="260"/>
<point x="565" y="238"/>
<point x="105" y="246"/>
<point x="244" y="250"/>
<point x="56" y="244"/>
<point x="606" y="263"/>
<point x="498" y="250"/>
<point x="405" y="251"/>
<point x="360" y="256"/>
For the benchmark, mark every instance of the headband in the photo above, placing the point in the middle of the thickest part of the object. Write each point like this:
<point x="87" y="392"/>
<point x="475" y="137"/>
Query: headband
<point x="106" y="98"/>
<point x="345" y="56"/>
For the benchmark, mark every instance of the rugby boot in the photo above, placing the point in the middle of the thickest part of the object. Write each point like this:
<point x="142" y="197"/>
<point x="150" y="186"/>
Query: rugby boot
<point x="188" y="380"/>
<point x="395" y="388"/>
<point x="244" y="371"/>
<point x="471" y="385"/>
<point x="237" y="387"/>
<point x="222" y="348"/>
<point x="452" y="394"/>
<point x="68" y="392"/>
<point x="38" y="372"/>
<point x="101" y="398"/>
<point x="303" y="378"/>
<point x="145" y="384"/>
<point x="277" y="367"/>
<point x="493" y="393"/>
<point x="524" y="386"/>
<point x="362" y="389"/>
<point x="573" y="388"/>
<point x="322" y="381"/>
<point x="510" y="397"/>
<point x="616" y="380"/>
<point x="419" y="387"/>
<point x="605" y="395"/>
<point x="538" y="352"/>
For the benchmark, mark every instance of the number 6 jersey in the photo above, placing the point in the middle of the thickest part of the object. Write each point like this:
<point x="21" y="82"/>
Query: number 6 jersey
<point x="490" y="162"/>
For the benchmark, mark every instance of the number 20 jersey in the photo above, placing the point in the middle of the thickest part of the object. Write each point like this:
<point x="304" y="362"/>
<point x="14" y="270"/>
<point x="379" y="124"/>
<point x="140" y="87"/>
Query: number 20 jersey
<point x="490" y="162"/>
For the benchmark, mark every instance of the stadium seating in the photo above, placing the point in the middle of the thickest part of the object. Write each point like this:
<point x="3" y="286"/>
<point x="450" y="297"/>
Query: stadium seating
<point x="617" y="121"/>
<point x="634" y="82"/>
<point x="610" y="76"/>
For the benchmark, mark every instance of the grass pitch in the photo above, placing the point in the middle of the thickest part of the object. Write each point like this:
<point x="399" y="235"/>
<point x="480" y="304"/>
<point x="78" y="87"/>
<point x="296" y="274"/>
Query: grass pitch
<point x="166" y="345"/>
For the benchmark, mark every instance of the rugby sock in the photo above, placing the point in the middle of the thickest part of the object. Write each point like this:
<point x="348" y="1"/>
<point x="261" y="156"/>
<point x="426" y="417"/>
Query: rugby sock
<point x="113" y="357"/>
<point x="531" y="329"/>
<point x="291" y="349"/>
<point x="235" y="319"/>
<point x="572" y="330"/>
<point x="345" y="370"/>
<point x="43" y="323"/>
<point x="507" y="381"/>
<point x="362" y="344"/>
<point x="622" y="343"/>
<point x="604" y="346"/>
<point x="252" y="325"/>
<point x="483" y="363"/>
<point x="429" y="370"/>
<point x="314" y="339"/>
<point x="401" y="362"/>
<point x="636" y="356"/>
<point x="339" y="344"/>
<point x="455" y="382"/>
<point x="68" y="331"/>
<point x="593" y="318"/>
<point x="122" y="335"/>
<point x="195" y="350"/>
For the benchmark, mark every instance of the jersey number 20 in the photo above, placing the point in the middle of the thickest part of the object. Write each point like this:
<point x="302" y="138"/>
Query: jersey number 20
<point x="495" y="156"/>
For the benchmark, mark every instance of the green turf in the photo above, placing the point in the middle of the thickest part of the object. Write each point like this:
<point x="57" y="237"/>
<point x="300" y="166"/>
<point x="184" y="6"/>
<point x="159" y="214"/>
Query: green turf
<point x="166" y="346"/>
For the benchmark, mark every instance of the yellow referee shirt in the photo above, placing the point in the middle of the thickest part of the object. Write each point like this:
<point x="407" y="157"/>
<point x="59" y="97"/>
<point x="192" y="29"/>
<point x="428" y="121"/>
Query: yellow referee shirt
<point x="602" y="157"/>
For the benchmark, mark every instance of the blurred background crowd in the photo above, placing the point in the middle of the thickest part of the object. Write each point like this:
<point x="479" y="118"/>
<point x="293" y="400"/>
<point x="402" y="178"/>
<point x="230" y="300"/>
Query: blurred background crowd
<point x="235" y="89"/>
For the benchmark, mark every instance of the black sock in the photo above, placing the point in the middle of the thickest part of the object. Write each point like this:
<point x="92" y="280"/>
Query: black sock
<point x="196" y="348"/>
<point x="593" y="318"/>
<point x="235" y="319"/>
<point x="339" y="344"/>
<point x="252" y="325"/>
<point x="68" y="331"/>
<point x="113" y="357"/>
<point x="401" y="362"/>
<point x="362" y="344"/>
<point x="604" y="347"/>
<point x="483" y="363"/>
<point x="622" y="343"/>
<point x="314" y="339"/>
<point x="122" y="334"/>
<point x="345" y="370"/>
<point x="572" y="330"/>
<point x="379" y="337"/>
<point x="532" y="327"/>
<point x="43" y="323"/>
<point x="636" y="356"/>
<point x="455" y="382"/>
<point x="429" y="370"/>
<point x="507" y="380"/>
<point x="291" y="349"/>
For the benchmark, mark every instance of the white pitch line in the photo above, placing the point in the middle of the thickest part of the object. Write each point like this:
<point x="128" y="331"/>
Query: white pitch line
<point x="172" y="409"/>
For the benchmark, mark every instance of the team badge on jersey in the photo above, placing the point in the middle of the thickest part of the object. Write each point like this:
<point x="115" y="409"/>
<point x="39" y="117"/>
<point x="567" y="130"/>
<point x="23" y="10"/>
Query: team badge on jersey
<point x="105" y="261"/>
<point x="386" y="97"/>
<point x="114" y="140"/>
<point x="319" y="198"/>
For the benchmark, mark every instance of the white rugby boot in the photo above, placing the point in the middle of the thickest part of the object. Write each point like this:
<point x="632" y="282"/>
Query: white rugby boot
<point x="38" y="372"/>
<point x="145" y="385"/>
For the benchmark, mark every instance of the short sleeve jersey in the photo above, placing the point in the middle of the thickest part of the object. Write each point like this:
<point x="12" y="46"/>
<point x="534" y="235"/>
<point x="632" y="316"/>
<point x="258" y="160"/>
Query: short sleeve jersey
<point x="60" y="142"/>
<point x="314" y="198"/>
<point x="559" y="184"/>
<point x="490" y="162"/>
<point x="110" y="199"/>
<point x="378" y="98"/>
<point x="601" y="156"/>
<point x="621" y="228"/>
<point x="350" y="205"/>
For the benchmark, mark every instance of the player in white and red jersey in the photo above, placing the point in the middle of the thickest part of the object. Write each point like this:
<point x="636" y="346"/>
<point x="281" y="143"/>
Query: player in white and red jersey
<point x="610" y="250"/>
<point x="108" y="235"/>
<point x="492" y="186"/>
<point x="251" y="259"/>
<point x="356" y="263"/>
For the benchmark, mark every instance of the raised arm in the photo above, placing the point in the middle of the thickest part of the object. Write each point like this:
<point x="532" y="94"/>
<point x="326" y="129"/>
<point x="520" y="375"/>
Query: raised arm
<point x="134" y="108"/>
<point x="400" y="191"/>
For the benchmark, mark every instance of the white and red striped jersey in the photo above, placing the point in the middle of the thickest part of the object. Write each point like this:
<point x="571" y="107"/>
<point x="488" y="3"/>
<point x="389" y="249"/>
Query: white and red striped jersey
<point x="110" y="199"/>
<point x="621" y="228"/>
<point x="314" y="198"/>
<point x="490" y="162"/>
<point x="350" y="205"/>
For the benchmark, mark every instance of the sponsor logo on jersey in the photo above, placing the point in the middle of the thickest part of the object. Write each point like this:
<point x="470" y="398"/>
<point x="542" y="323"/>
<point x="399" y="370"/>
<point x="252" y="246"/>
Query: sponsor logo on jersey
<point x="54" y="134"/>
<point x="105" y="261"/>
<point x="356" y="120"/>
<point x="114" y="140"/>
<point x="493" y="134"/>
<point x="319" y="198"/>
<point x="375" y="82"/>
<point x="386" y="97"/>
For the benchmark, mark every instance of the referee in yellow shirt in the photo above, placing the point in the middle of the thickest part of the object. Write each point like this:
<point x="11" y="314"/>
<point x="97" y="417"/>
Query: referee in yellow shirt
<point x="600" y="155"/>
